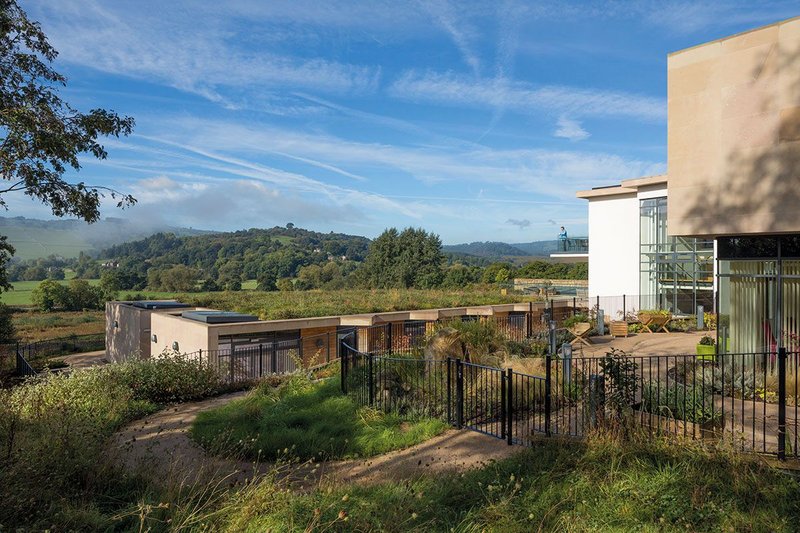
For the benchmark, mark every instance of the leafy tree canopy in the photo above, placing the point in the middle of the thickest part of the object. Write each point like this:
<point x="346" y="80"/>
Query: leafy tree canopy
<point x="41" y="135"/>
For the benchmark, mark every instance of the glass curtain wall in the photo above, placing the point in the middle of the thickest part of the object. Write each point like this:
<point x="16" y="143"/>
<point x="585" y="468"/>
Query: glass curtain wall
<point x="676" y="273"/>
<point x="759" y="294"/>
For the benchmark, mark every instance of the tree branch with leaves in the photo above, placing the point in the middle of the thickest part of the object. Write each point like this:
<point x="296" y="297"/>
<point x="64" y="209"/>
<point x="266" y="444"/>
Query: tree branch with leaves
<point x="42" y="136"/>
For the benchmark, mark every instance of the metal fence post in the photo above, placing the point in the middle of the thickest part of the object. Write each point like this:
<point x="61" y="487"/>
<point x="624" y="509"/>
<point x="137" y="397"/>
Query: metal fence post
<point x="459" y="394"/>
<point x="274" y="358"/>
<point x="449" y="391"/>
<point x="389" y="338"/>
<point x="260" y="360"/>
<point x="782" y="403"/>
<point x="503" y="400"/>
<point x="547" y="399"/>
<point x="624" y="308"/>
<point x="233" y="351"/>
<point x="370" y="379"/>
<point x="529" y="328"/>
<point x="574" y="306"/>
<point x="510" y="407"/>
<point x="343" y="363"/>
<point x="551" y="334"/>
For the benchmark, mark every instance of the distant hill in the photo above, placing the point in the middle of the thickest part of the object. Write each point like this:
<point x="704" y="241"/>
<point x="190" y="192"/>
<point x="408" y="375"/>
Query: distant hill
<point x="537" y="248"/>
<point x="277" y="252"/>
<point x="484" y="249"/>
<point x="35" y="238"/>
<point x="499" y="251"/>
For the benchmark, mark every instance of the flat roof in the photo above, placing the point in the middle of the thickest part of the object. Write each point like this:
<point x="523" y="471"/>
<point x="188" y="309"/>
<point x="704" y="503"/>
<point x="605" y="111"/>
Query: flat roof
<point x="212" y="316"/>
<point x="629" y="186"/>
<point x="158" y="304"/>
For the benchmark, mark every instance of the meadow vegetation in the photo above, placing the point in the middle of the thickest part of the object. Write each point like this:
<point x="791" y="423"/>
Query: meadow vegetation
<point x="310" y="420"/>
<point x="53" y="430"/>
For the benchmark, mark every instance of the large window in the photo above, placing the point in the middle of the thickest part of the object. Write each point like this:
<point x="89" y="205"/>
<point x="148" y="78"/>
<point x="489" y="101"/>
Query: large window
<point x="676" y="273"/>
<point x="759" y="293"/>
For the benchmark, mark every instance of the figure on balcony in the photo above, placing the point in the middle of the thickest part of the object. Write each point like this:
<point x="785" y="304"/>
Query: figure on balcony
<point x="562" y="238"/>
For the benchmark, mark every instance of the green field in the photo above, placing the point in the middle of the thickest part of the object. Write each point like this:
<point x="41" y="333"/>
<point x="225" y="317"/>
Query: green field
<point x="33" y="242"/>
<point x="21" y="294"/>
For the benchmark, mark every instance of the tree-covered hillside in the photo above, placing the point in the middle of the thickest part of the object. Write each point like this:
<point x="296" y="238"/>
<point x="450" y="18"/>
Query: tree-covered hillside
<point x="226" y="259"/>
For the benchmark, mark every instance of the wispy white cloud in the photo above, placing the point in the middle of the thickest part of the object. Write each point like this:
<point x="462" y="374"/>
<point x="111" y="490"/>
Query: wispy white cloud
<point x="461" y="34"/>
<point x="451" y="89"/>
<point x="158" y="45"/>
<point x="568" y="128"/>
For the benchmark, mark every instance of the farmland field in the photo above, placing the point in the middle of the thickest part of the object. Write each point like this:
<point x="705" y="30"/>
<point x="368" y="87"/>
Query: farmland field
<point x="21" y="294"/>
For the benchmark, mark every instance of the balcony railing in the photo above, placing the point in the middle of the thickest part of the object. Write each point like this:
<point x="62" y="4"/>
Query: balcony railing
<point x="572" y="245"/>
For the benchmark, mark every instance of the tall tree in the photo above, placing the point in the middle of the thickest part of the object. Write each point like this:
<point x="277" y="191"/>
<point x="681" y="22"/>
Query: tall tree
<point x="411" y="258"/>
<point x="41" y="135"/>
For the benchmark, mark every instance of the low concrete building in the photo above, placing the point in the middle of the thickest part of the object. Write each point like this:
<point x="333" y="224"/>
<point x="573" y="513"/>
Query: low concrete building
<point x="143" y="329"/>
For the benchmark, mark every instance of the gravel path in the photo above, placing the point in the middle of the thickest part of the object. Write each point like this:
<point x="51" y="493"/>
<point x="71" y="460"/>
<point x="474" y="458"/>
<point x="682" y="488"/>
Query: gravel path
<point x="159" y="447"/>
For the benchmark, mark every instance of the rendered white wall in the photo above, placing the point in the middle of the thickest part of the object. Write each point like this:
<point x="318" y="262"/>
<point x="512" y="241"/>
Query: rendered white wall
<point x="613" y="250"/>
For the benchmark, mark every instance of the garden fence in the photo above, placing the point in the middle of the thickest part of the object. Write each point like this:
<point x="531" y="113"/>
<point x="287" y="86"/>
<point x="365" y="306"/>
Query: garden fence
<point x="748" y="402"/>
<point x="248" y="362"/>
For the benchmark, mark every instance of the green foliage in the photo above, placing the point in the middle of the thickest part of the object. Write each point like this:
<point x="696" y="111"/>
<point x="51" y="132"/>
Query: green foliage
<point x="576" y="319"/>
<point x="307" y="420"/>
<point x="707" y="341"/>
<point x="177" y="278"/>
<point x="49" y="295"/>
<point x="619" y="371"/>
<point x="680" y="401"/>
<point x="8" y="332"/>
<point x="42" y="134"/>
<point x="53" y="432"/>
<point x="411" y="258"/>
<point x="576" y="487"/>
<point x="495" y="270"/>
<point x="79" y="294"/>
<point x="284" y="284"/>
<point x="550" y="270"/>
<point x="168" y="379"/>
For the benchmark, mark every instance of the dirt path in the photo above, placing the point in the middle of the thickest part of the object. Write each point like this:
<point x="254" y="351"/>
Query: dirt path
<point x="160" y="444"/>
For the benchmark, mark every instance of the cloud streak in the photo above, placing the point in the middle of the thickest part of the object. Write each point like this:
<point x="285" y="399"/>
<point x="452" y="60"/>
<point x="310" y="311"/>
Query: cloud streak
<point x="450" y="89"/>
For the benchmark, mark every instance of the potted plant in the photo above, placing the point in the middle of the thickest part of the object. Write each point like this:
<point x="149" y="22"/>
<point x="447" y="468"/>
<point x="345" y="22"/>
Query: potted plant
<point x="706" y="348"/>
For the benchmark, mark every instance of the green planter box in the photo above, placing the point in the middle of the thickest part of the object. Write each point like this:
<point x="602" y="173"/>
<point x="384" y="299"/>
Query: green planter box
<point x="706" y="352"/>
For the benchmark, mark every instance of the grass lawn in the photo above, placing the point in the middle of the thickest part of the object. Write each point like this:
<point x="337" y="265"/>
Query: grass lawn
<point x="308" y="420"/>
<point x="599" y="485"/>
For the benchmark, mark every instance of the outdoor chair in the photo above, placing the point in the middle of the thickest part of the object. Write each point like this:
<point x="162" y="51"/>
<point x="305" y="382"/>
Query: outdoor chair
<point x="581" y="331"/>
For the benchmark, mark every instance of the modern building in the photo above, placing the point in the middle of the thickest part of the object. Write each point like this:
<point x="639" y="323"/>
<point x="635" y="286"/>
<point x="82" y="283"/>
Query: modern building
<point x="722" y="228"/>
<point x="144" y="329"/>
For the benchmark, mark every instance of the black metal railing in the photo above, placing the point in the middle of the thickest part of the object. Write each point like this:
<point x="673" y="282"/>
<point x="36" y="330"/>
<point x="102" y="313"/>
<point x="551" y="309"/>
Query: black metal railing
<point x="747" y="402"/>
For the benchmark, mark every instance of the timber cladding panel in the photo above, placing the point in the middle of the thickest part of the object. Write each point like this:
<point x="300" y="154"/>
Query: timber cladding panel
<point x="733" y="134"/>
<point x="319" y="345"/>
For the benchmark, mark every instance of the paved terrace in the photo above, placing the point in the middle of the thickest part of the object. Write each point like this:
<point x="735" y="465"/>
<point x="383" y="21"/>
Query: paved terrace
<point x="644" y="344"/>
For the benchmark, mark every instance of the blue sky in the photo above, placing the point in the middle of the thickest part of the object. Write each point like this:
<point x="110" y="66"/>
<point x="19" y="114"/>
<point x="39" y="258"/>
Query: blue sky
<point x="477" y="121"/>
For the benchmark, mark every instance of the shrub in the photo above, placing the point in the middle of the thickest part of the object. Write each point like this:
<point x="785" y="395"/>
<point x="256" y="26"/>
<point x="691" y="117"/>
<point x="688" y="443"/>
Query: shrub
<point x="707" y="341"/>
<point x="683" y="402"/>
<point x="168" y="379"/>
<point x="571" y="321"/>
